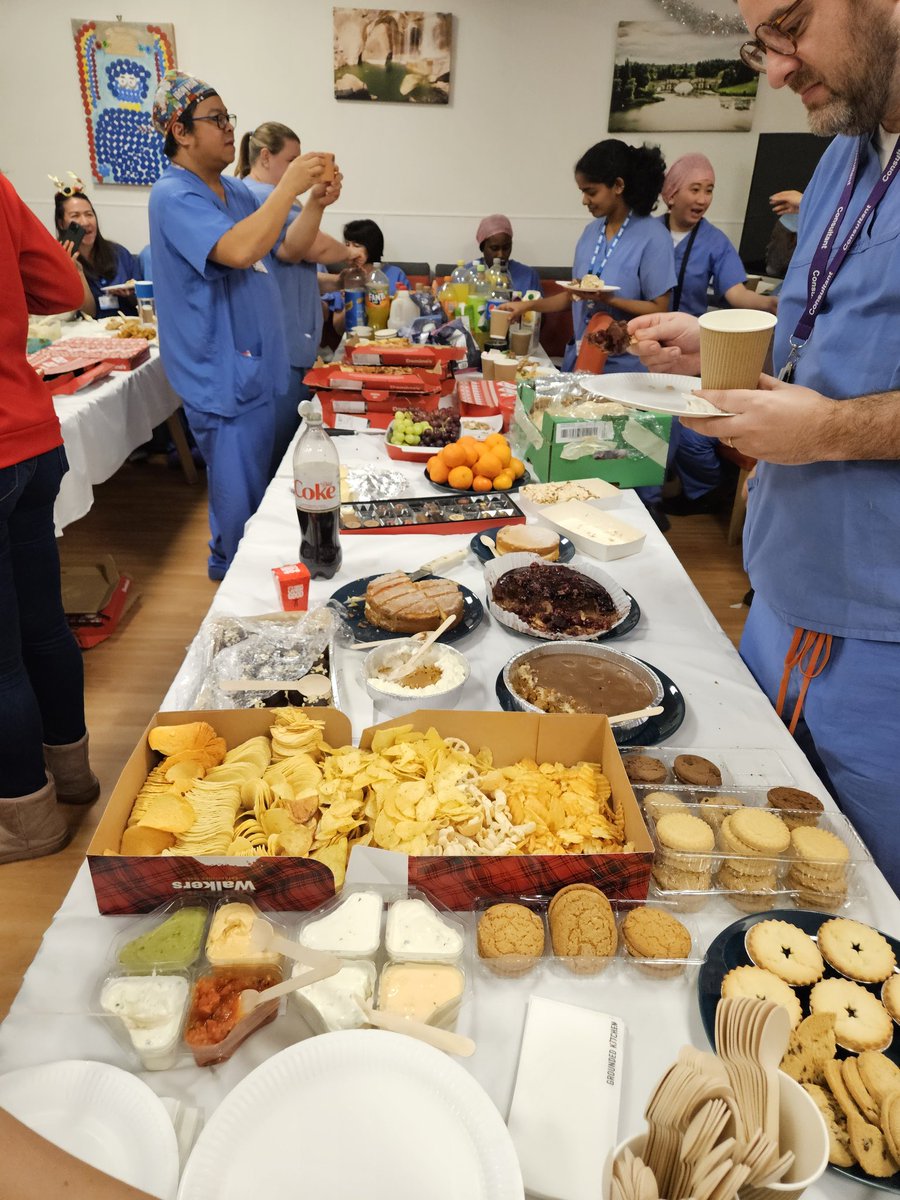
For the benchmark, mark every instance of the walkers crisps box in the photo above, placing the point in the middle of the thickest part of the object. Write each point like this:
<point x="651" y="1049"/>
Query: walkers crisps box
<point x="127" y="884"/>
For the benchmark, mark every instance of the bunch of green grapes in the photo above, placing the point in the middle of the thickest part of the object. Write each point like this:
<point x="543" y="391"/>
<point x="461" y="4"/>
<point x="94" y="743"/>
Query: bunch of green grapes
<point x="406" y="431"/>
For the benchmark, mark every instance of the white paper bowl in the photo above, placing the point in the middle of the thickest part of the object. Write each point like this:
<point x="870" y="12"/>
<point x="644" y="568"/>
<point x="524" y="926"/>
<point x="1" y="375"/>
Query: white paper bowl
<point x="400" y="705"/>
<point x="801" y="1129"/>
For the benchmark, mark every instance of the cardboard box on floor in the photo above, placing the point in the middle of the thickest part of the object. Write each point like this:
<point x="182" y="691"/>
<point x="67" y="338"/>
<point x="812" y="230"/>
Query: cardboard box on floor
<point x="95" y="598"/>
<point x="127" y="884"/>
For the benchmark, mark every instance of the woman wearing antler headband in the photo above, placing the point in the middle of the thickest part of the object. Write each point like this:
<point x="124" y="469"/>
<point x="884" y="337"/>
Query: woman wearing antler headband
<point x="102" y="263"/>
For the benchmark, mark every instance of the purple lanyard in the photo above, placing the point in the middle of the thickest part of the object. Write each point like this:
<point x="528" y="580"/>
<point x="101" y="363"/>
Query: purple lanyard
<point x="612" y="245"/>
<point x="821" y="271"/>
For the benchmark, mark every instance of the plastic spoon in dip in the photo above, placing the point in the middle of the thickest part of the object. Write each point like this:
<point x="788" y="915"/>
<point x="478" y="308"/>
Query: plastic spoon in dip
<point x="264" y="938"/>
<point x="639" y="714"/>
<point x="250" y="998"/>
<point x="416" y="657"/>
<point x="441" y="1039"/>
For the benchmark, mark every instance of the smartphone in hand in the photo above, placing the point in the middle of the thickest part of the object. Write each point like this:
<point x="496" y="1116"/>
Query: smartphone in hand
<point x="72" y="233"/>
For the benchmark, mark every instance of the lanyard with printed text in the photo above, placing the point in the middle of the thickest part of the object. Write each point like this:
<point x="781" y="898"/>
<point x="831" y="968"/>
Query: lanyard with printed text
<point x="822" y="271"/>
<point x="609" y="249"/>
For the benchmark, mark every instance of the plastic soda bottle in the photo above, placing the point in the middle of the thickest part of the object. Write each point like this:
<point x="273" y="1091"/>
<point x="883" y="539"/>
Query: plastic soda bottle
<point x="378" y="298"/>
<point x="354" y="285"/>
<point x="317" y="495"/>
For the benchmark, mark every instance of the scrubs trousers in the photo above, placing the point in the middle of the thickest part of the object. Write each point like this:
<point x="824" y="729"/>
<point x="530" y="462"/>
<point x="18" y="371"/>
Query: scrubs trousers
<point x="693" y="458"/>
<point x="849" y="725"/>
<point x="238" y="455"/>
<point x="287" y="418"/>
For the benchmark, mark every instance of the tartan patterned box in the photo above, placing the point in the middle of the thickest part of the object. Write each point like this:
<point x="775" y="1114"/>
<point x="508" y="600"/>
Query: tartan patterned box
<point x="459" y="882"/>
<point x="132" y="884"/>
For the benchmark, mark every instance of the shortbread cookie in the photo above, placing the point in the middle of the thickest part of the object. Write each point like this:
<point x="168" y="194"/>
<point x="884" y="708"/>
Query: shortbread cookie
<point x="763" y="985"/>
<point x="657" y="804"/>
<point x="714" y="809"/>
<point x="869" y="1148"/>
<point x="890" y="996"/>
<point x="762" y="831"/>
<point x="862" y="1097"/>
<point x="510" y="938"/>
<point x="856" y="950"/>
<point x="835" y="1122"/>
<point x="879" y="1074"/>
<point x="890" y="1122"/>
<point x="861" y="1020"/>
<point x="697" y="771"/>
<point x="643" y="768"/>
<point x="794" y="806"/>
<point x="810" y="1047"/>
<point x="683" y="832"/>
<point x="785" y="950"/>
<point x="819" y="846"/>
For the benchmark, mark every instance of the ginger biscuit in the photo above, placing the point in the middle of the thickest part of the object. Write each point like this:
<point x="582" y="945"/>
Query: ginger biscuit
<point x="785" y="950"/>
<point x="652" y="933"/>
<point x="510" y="938"/>
<point x="856" y="950"/>
<point x="583" y="928"/>
<point x="861" y="1020"/>
<point x="697" y="771"/>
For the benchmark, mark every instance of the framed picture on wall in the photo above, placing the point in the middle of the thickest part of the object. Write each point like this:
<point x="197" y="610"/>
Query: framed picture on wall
<point x="400" y="57"/>
<point x="668" y="78"/>
<point x="120" y="65"/>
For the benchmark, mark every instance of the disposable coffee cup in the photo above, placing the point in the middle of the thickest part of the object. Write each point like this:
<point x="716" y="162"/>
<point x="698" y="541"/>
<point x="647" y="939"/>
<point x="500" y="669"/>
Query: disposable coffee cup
<point x="733" y="347"/>
<point x="327" y="175"/>
<point x="361" y="331"/>
<point x="143" y="289"/>
<point x="500" y="322"/>
<point x="505" y="370"/>
<point x="488" y="366"/>
<point x="520" y="341"/>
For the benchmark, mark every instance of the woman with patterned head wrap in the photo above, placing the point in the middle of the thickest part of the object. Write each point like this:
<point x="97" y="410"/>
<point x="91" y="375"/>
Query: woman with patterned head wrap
<point x="219" y="310"/>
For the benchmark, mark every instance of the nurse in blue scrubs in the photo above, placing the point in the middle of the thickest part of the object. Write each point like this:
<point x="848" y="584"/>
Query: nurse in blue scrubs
<point x="221" y="331"/>
<point x="363" y="248"/>
<point x="495" y="240"/>
<point x="623" y="244"/>
<point x="704" y="259"/>
<point x="263" y="157"/>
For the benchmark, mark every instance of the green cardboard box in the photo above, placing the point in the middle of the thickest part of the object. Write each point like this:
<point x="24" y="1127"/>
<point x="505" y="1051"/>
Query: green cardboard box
<point x="628" y="450"/>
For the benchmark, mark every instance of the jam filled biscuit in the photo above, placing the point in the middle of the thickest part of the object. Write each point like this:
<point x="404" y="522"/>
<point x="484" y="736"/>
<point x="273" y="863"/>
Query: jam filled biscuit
<point x="794" y="806"/>
<point x="786" y="951"/>
<point x="763" y="985"/>
<point x="643" y="768"/>
<point x="861" y="1020"/>
<point x="700" y="772"/>
<point x="856" y="950"/>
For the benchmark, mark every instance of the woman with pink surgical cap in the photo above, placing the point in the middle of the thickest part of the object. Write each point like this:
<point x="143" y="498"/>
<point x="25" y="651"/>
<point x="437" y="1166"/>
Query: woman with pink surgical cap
<point x="495" y="238"/>
<point x="703" y="254"/>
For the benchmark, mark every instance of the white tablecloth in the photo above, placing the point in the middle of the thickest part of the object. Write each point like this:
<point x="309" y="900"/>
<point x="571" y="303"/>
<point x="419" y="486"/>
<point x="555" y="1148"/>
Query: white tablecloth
<point x="724" y="709"/>
<point x="102" y="424"/>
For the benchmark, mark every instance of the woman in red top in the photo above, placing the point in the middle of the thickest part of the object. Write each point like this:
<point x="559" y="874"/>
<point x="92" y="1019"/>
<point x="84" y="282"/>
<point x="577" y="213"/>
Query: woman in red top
<point x="43" y="741"/>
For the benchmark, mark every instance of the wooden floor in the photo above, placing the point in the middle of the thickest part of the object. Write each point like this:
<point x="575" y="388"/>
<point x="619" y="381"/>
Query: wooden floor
<point x="154" y="526"/>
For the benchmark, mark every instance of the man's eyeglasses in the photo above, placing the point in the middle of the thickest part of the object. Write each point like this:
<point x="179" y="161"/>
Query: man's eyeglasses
<point x="220" y="120"/>
<point x="770" y="35"/>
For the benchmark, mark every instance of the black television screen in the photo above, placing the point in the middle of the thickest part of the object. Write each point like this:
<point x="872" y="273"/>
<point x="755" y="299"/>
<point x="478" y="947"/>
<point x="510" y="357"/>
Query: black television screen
<point x="783" y="161"/>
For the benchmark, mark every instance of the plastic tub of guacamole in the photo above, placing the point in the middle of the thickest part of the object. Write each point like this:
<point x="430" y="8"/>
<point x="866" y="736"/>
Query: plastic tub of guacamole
<point x="168" y="939"/>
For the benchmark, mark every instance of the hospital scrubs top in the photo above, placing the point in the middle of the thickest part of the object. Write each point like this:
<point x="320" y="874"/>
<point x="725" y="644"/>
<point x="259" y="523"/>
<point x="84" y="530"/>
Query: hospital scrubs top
<point x="299" y="287"/>
<point x="821" y="539"/>
<point x="642" y="266"/>
<point x="128" y="267"/>
<point x="221" y="334"/>
<point x="712" y="260"/>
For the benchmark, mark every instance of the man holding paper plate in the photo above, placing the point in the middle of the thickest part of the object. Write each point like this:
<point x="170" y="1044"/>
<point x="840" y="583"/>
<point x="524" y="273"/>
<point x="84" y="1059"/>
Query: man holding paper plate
<point x="823" y="521"/>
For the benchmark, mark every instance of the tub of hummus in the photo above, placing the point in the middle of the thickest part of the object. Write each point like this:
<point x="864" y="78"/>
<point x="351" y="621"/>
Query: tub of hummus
<point x="436" y="680"/>
<point x="230" y="939"/>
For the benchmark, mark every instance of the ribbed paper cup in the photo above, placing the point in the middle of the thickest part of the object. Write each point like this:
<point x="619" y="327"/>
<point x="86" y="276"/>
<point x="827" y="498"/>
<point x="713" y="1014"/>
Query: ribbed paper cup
<point x="733" y="347"/>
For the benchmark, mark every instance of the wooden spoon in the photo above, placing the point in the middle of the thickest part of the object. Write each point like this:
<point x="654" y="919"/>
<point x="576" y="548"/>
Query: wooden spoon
<point x="416" y="657"/>
<point x="441" y="1039"/>
<point x="489" y="542"/>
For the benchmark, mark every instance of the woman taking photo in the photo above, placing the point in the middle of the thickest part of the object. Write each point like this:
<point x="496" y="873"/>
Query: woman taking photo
<point x="622" y="244"/>
<point x="101" y="263"/>
<point x="263" y="157"/>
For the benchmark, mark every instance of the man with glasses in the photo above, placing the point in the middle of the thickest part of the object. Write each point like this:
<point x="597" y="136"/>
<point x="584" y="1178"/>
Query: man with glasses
<point x="221" y="334"/>
<point x="822" y="542"/>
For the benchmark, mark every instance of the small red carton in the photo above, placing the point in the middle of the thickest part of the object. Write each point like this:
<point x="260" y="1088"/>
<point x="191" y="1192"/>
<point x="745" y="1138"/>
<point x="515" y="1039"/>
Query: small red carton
<point x="292" y="583"/>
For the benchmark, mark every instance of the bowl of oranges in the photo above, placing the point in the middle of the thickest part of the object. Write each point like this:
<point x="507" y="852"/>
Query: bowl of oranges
<point x="468" y="465"/>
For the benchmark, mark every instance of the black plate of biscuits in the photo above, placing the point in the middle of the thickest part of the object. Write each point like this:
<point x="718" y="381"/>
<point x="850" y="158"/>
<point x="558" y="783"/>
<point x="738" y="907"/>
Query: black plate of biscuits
<point x="351" y="599"/>
<point x="729" y="950"/>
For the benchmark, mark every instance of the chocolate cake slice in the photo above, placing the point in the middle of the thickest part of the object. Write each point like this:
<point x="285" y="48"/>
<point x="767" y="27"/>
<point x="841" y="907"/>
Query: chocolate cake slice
<point x="555" y="600"/>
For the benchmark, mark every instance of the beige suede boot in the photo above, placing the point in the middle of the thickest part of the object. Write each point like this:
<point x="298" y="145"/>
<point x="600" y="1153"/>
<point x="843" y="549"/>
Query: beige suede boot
<point x="75" y="782"/>
<point x="31" y="826"/>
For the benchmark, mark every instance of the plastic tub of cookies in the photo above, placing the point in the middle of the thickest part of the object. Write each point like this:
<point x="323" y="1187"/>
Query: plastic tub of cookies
<point x="737" y="766"/>
<point x="655" y="941"/>
<point x="583" y="933"/>
<point x="511" y="935"/>
<point x="794" y="806"/>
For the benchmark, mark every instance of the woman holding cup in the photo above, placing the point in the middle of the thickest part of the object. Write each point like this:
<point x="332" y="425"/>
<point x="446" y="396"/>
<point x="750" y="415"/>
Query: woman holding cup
<point x="622" y="245"/>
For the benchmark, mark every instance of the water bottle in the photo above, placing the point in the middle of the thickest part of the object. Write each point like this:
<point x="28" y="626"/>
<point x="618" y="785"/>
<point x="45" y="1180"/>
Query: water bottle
<point x="317" y="495"/>
<point x="378" y="298"/>
<point x="354" y="287"/>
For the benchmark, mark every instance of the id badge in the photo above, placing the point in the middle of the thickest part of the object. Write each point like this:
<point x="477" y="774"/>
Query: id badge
<point x="260" y="266"/>
<point x="786" y="374"/>
<point x="108" y="301"/>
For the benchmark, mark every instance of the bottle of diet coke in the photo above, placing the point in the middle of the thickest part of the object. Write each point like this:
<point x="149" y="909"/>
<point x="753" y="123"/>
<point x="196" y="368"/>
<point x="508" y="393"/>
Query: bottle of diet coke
<point x="317" y="493"/>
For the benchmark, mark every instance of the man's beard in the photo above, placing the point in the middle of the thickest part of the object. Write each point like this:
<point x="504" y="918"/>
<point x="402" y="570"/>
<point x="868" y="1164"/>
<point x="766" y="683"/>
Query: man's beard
<point x="861" y="92"/>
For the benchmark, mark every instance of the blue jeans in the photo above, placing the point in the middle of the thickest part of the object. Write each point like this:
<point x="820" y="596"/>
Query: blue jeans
<point x="848" y="729"/>
<point x="41" y="672"/>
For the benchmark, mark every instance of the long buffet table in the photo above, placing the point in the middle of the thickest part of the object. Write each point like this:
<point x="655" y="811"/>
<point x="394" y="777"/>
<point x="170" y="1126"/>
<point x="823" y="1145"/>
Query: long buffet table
<point x="50" y="1019"/>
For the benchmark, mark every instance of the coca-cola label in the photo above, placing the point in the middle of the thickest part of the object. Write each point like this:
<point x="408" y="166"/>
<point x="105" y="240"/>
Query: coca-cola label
<point x="317" y="491"/>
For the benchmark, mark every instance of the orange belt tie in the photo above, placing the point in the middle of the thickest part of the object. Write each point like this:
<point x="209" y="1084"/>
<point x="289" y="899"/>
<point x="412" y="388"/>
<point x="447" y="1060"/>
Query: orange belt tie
<point x="809" y="652"/>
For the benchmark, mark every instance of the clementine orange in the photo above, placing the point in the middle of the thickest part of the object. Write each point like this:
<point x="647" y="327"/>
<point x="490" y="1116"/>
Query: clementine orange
<point x="437" y="469"/>
<point x="488" y="464"/>
<point x="454" y="455"/>
<point x="517" y="467"/>
<point x="481" y="483"/>
<point x="472" y="448"/>
<point x="504" y="481"/>
<point x="460" y="477"/>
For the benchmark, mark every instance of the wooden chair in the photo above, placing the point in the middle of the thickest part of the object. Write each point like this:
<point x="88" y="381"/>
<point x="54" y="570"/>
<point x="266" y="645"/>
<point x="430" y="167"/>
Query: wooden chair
<point x="745" y="465"/>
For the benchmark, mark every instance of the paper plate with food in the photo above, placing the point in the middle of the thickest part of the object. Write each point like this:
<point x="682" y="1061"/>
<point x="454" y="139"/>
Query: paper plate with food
<point x="587" y="285"/>
<point x="120" y="289"/>
<point x="670" y="395"/>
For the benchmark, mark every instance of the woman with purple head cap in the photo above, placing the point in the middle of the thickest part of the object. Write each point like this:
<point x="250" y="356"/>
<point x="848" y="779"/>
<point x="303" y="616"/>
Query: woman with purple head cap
<point x="704" y="256"/>
<point x="221" y="332"/>
<point x="495" y="239"/>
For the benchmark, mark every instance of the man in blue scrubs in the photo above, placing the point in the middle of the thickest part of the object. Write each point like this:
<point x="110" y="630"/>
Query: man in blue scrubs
<point x="221" y="335"/>
<point x="823" y="522"/>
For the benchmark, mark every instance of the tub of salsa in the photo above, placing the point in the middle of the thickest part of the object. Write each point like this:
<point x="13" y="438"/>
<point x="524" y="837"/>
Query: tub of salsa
<point x="215" y="1027"/>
